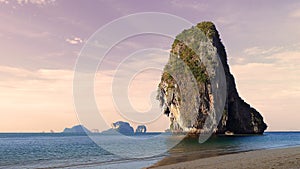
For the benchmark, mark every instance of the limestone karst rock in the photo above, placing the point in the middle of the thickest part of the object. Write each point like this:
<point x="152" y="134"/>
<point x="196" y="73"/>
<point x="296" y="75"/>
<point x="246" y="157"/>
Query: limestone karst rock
<point x="123" y="128"/>
<point x="76" y="129"/>
<point x="141" y="129"/>
<point x="190" y="115"/>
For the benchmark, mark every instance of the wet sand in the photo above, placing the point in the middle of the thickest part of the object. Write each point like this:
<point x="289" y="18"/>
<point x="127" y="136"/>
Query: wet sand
<point x="288" y="158"/>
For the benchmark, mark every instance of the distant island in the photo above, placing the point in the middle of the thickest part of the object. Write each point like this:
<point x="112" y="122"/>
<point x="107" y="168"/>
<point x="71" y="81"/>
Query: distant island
<point x="117" y="127"/>
<point x="125" y="129"/>
<point x="77" y="129"/>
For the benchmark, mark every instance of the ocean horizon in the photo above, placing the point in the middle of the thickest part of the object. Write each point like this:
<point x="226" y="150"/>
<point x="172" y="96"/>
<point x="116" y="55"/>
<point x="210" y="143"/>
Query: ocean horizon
<point x="67" y="150"/>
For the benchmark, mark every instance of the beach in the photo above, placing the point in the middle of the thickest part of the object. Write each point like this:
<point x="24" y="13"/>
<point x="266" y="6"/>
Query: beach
<point x="287" y="158"/>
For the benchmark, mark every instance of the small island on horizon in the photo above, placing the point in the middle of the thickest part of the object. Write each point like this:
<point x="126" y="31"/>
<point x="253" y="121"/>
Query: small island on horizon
<point x="118" y="127"/>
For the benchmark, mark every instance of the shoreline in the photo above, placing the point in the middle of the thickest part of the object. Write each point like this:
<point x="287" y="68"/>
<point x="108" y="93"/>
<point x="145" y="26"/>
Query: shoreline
<point x="265" y="159"/>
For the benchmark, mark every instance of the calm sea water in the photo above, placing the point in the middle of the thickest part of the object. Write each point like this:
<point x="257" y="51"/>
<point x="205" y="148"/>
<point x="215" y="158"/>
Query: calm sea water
<point x="33" y="150"/>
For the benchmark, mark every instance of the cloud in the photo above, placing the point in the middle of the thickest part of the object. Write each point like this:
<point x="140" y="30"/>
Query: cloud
<point x="74" y="40"/>
<point x="12" y="26"/>
<point x="295" y="14"/>
<point x="35" y="2"/>
<point x="19" y="76"/>
<point x="194" y="5"/>
<point x="263" y="55"/>
<point x="261" y="51"/>
<point x="225" y="20"/>
<point x="4" y="1"/>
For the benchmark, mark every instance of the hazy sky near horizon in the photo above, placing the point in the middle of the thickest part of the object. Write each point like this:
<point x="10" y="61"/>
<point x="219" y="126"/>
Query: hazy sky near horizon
<point x="40" y="41"/>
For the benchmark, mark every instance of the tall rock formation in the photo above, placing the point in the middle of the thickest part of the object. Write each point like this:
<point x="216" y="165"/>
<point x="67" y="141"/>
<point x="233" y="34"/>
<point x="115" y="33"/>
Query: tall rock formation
<point x="191" y="115"/>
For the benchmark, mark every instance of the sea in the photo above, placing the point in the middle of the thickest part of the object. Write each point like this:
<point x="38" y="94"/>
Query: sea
<point x="65" y="150"/>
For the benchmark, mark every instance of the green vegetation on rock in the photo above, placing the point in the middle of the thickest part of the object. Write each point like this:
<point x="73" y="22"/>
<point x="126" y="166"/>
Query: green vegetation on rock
<point x="208" y="28"/>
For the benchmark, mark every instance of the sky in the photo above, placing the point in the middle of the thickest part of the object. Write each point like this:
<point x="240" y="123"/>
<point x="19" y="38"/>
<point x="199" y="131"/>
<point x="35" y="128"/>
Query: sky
<point x="40" y="41"/>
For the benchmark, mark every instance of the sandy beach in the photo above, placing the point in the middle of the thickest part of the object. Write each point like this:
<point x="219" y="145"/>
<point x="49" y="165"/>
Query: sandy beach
<point x="288" y="158"/>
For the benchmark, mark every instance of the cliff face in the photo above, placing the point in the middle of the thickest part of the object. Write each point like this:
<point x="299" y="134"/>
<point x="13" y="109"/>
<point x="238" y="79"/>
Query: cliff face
<point x="186" y="91"/>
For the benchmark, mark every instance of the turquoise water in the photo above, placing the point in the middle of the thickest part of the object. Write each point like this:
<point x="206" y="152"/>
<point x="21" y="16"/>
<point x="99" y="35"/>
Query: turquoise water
<point x="45" y="150"/>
